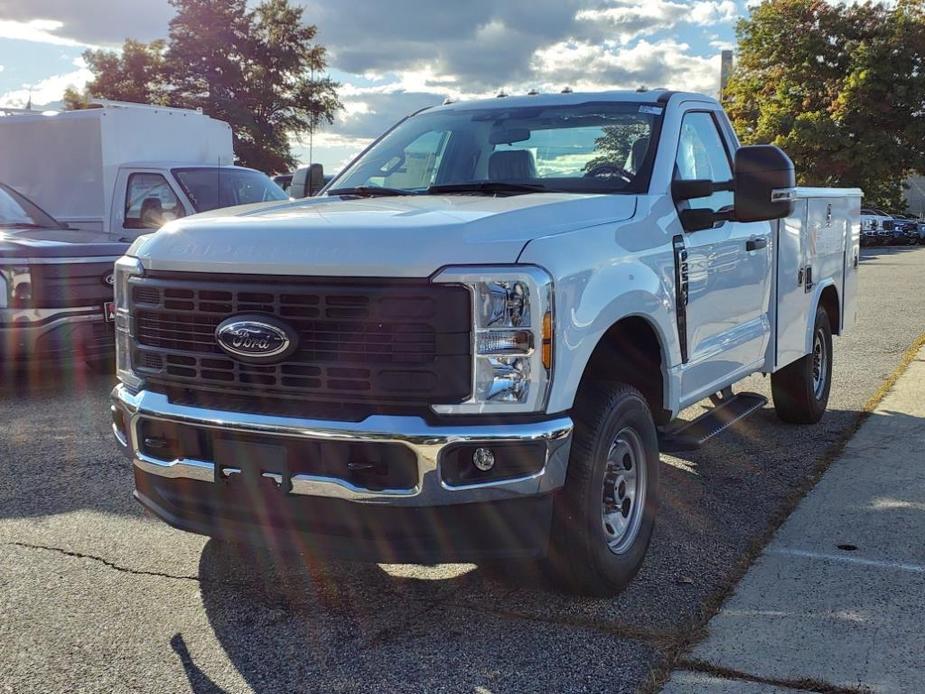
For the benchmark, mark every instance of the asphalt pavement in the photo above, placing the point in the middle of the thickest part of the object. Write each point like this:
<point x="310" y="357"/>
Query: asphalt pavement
<point x="97" y="597"/>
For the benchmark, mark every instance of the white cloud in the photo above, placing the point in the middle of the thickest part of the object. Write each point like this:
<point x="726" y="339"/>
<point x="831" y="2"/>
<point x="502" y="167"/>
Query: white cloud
<point x="587" y="66"/>
<point x="49" y="90"/>
<point x="707" y="12"/>
<point x="631" y="19"/>
<point x="37" y="30"/>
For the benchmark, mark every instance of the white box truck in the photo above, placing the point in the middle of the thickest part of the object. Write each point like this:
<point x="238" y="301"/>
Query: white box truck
<point x="476" y="342"/>
<point x="125" y="169"/>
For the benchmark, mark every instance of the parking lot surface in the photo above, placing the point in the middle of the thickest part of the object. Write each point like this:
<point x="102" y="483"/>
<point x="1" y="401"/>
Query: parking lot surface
<point x="97" y="597"/>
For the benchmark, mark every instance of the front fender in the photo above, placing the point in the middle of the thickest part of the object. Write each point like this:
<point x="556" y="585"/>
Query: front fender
<point x="604" y="274"/>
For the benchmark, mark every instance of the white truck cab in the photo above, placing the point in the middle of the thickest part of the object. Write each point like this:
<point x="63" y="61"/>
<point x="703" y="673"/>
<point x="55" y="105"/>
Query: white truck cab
<point x="125" y="169"/>
<point x="475" y="343"/>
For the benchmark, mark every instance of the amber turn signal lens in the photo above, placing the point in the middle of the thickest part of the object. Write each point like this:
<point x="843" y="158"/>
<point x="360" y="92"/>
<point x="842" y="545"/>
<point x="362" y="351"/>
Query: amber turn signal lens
<point x="547" y="340"/>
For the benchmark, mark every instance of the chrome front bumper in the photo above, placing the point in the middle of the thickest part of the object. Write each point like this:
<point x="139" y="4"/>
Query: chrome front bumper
<point x="428" y="442"/>
<point x="30" y="333"/>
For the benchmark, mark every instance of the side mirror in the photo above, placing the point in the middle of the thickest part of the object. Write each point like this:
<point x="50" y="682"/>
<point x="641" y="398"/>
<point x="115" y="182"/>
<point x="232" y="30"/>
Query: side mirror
<point x="315" y="178"/>
<point x="298" y="187"/>
<point x="691" y="190"/>
<point x="306" y="181"/>
<point x="764" y="183"/>
<point x="697" y="220"/>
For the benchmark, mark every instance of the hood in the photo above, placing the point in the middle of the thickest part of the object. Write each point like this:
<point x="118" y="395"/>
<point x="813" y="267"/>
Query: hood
<point x="57" y="243"/>
<point x="402" y="236"/>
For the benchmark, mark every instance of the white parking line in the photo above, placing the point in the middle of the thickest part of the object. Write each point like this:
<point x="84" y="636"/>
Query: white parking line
<point x="806" y="554"/>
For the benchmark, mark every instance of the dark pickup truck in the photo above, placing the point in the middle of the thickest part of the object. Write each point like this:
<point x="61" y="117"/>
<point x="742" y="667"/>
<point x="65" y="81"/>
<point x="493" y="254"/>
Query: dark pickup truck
<point x="56" y="288"/>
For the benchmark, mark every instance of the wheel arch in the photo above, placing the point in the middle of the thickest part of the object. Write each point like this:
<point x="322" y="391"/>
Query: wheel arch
<point x="831" y="302"/>
<point x="632" y="351"/>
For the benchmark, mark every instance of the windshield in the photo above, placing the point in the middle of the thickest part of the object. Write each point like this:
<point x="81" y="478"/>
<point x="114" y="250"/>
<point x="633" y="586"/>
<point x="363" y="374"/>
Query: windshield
<point x="586" y="148"/>
<point x="19" y="211"/>
<point x="212" y="188"/>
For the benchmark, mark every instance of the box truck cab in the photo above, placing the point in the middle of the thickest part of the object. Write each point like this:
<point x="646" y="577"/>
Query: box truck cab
<point x="125" y="169"/>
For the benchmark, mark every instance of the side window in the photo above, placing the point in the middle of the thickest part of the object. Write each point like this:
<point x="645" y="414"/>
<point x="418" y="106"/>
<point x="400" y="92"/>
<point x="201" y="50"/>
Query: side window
<point x="418" y="164"/>
<point x="150" y="202"/>
<point x="702" y="155"/>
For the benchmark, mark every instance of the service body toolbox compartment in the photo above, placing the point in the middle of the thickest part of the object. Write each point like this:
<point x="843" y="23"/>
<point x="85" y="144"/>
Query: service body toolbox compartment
<point x="818" y="247"/>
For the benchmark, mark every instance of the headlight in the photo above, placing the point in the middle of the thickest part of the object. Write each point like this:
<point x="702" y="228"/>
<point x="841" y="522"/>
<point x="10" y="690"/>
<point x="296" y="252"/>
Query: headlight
<point x="125" y="269"/>
<point x="512" y="312"/>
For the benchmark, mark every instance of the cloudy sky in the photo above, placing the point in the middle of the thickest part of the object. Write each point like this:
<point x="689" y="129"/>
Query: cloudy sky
<point x="395" y="56"/>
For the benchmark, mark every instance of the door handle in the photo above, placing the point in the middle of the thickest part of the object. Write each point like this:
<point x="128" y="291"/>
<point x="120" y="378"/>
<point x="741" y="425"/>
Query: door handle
<point x="755" y="244"/>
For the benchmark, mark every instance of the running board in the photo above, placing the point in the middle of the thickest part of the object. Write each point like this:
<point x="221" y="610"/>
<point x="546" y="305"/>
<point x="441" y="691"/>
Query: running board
<point x="690" y="436"/>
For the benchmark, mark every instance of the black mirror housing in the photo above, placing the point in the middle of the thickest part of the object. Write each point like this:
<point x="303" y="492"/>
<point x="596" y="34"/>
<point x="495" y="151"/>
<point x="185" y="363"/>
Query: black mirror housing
<point x="697" y="220"/>
<point x="691" y="190"/>
<point x="307" y="181"/>
<point x="764" y="183"/>
<point x="315" y="178"/>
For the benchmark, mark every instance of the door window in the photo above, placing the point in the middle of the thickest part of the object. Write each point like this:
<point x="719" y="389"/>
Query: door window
<point x="702" y="156"/>
<point x="150" y="202"/>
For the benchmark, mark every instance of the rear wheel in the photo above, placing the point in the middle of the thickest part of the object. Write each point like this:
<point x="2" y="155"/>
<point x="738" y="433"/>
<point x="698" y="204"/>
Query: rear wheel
<point x="801" y="390"/>
<point x="605" y="515"/>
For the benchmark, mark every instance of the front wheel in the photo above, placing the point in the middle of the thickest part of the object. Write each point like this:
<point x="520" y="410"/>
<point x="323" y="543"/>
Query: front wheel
<point x="605" y="514"/>
<point x="801" y="389"/>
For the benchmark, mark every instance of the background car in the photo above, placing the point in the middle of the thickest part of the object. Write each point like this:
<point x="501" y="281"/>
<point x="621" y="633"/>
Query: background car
<point x="56" y="288"/>
<point x="872" y="226"/>
<point x="906" y="230"/>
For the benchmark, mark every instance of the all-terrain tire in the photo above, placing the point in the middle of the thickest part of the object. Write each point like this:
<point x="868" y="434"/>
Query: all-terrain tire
<point x="614" y="443"/>
<point x="801" y="389"/>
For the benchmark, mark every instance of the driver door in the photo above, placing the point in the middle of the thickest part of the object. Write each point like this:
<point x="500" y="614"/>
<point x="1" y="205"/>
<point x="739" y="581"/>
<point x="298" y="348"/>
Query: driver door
<point x="147" y="202"/>
<point x="729" y="270"/>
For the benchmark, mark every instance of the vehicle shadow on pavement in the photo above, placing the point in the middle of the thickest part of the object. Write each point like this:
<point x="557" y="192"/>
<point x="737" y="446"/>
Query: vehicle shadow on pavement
<point x="290" y="624"/>
<point x="285" y="620"/>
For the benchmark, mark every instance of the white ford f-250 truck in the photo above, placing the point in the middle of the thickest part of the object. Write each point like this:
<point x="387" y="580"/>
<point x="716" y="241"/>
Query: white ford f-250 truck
<point x="476" y="341"/>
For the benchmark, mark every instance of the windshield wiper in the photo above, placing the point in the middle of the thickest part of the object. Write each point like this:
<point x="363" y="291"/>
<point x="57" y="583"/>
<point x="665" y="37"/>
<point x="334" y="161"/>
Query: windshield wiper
<point x="370" y="191"/>
<point x="487" y="187"/>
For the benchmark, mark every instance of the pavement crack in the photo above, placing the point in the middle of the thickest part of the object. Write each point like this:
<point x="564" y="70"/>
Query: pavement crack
<point x="803" y="684"/>
<point x="105" y="562"/>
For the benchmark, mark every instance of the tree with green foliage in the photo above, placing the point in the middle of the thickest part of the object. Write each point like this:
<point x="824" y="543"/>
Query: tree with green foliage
<point x="259" y="69"/>
<point x="840" y="87"/>
<point x="137" y="74"/>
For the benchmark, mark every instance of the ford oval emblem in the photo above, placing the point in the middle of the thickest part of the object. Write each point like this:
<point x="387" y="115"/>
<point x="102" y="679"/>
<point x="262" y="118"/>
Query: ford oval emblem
<point x="256" y="338"/>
